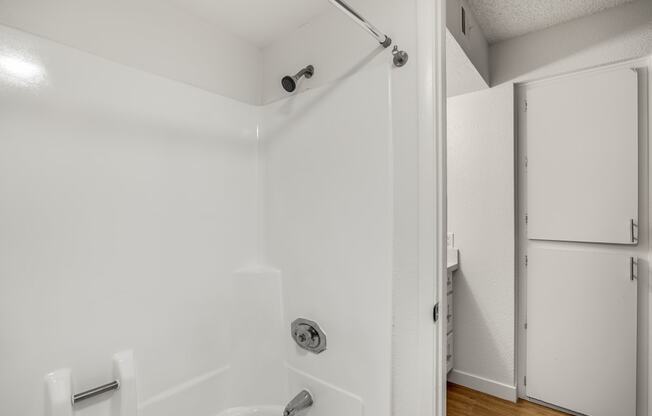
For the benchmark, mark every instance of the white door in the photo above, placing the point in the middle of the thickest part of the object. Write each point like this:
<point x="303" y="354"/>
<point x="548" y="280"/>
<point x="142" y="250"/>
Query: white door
<point x="581" y="333"/>
<point x="579" y="137"/>
<point x="582" y="158"/>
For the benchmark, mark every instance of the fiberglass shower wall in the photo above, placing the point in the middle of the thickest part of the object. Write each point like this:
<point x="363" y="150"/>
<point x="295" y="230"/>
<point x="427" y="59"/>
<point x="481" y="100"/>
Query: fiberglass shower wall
<point x="129" y="212"/>
<point x="340" y="208"/>
<point x="126" y="202"/>
<point x="328" y="228"/>
<point x="141" y="213"/>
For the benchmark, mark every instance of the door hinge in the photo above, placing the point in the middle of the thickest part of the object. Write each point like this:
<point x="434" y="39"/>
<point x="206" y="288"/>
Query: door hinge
<point x="527" y="218"/>
<point x="526" y="261"/>
<point x="525" y="381"/>
<point x="525" y="161"/>
<point x="525" y="326"/>
<point x="435" y="313"/>
<point x="526" y="106"/>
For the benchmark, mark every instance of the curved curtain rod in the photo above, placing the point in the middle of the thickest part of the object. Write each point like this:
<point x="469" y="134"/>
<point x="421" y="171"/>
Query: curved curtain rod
<point x="400" y="57"/>
<point x="364" y="23"/>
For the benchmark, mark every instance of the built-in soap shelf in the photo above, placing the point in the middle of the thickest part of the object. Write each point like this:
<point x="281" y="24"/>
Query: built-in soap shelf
<point x="60" y="397"/>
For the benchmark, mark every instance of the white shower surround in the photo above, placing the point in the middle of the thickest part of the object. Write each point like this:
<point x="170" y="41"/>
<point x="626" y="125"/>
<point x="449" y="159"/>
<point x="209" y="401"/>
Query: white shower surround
<point x="101" y="119"/>
<point x="175" y="134"/>
<point x="127" y="202"/>
<point x="332" y="245"/>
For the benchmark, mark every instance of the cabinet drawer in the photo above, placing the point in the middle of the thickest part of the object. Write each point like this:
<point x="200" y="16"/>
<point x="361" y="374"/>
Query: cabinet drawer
<point x="449" y="282"/>
<point x="449" y="352"/>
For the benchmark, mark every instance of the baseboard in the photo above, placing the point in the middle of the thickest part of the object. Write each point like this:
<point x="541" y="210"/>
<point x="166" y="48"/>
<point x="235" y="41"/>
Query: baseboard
<point x="483" y="385"/>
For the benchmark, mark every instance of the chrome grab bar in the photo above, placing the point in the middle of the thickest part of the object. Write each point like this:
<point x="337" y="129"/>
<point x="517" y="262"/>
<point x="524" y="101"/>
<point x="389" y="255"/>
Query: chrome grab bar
<point x="96" y="391"/>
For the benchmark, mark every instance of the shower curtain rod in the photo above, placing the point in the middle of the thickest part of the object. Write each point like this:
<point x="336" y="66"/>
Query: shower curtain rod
<point x="373" y="30"/>
<point x="400" y="57"/>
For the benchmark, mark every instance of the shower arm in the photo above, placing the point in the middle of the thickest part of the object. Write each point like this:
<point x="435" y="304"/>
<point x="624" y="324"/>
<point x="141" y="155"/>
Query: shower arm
<point x="400" y="57"/>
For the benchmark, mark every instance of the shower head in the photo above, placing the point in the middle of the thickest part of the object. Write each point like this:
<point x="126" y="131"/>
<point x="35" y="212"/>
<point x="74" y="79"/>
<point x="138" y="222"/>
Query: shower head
<point x="289" y="82"/>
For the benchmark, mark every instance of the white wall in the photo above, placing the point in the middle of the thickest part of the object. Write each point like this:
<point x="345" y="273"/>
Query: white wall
<point x="126" y="202"/>
<point x="481" y="216"/>
<point x="149" y="35"/>
<point x="614" y="35"/>
<point x="339" y="48"/>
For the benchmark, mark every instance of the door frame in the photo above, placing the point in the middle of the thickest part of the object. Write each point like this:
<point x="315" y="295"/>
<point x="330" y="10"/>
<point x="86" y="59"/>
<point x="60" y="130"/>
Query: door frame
<point x="431" y="76"/>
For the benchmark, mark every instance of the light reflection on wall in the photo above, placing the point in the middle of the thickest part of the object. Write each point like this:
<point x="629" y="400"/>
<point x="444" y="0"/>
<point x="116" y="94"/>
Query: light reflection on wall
<point x="18" y="69"/>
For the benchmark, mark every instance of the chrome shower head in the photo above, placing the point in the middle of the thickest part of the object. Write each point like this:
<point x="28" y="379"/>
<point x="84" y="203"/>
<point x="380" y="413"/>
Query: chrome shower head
<point x="289" y="82"/>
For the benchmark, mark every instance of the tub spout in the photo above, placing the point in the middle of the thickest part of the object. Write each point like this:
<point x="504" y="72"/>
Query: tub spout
<point x="301" y="401"/>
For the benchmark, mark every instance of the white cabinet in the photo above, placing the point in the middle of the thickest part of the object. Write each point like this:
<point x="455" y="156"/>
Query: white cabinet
<point x="453" y="262"/>
<point x="581" y="333"/>
<point x="450" y="350"/>
<point x="450" y="361"/>
<point x="578" y="202"/>
<point x="449" y="314"/>
<point x="582" y="158"/>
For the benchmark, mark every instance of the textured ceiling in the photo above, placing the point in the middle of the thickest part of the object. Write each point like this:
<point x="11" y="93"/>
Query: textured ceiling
<point x="257" y="21"/>
<point x="505" y="19"/>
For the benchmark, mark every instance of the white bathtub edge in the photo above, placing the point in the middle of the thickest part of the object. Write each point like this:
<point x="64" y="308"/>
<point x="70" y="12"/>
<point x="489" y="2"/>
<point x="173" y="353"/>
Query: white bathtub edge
<point x="183" y="387"/>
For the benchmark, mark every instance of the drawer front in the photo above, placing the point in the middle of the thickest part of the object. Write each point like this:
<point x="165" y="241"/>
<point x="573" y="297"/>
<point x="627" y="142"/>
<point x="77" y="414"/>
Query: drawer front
<point x="449" y="352"/>
<point x="449" y="282"/>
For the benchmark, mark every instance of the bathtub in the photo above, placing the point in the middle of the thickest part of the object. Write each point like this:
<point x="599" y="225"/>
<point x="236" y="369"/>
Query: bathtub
<point x="253" y="411"/>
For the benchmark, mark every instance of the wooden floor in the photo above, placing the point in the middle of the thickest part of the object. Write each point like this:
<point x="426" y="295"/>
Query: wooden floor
<point x="467" y="402"/>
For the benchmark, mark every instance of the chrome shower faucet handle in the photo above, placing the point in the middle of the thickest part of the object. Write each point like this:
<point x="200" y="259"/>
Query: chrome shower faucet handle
<point x="308" y="335"/>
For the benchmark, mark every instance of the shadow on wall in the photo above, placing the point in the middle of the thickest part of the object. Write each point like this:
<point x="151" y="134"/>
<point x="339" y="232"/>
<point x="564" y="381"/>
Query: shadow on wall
<point x="618" y="34"/>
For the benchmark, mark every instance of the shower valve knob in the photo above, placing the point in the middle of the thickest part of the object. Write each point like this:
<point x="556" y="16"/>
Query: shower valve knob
<point x="308" y="335"/>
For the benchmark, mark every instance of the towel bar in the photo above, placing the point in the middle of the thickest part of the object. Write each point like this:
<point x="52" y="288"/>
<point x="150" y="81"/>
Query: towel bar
<point x="85" y="395"/>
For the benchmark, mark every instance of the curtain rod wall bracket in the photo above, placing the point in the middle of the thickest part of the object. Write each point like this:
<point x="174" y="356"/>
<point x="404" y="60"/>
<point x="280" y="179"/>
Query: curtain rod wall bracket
<point x="400" y="57"/>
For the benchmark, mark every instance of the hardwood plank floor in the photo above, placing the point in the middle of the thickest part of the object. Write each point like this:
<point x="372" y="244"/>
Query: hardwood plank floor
<point x="462" y="401"/>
